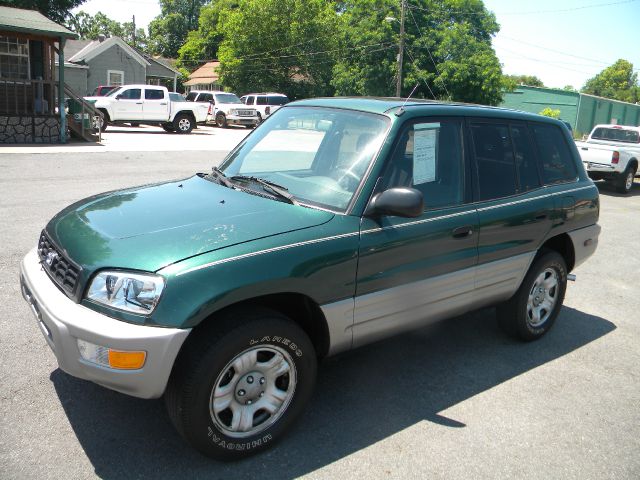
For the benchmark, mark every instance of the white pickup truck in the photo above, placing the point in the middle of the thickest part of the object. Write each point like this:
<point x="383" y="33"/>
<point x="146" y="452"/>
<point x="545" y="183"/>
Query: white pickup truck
<point x="151" y="105"/>
<point x="611" y="153"/>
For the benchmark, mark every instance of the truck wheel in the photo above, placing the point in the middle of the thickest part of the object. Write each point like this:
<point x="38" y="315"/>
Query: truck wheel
<point x="221" y="120"/>
<point x="168" y="127"/>
<point x="625" y="182"/>
<point x="531" y="312"/>
<point x="259" y="118"/>
<point x="134" y="124"/>
<point x="240" y="384"/>
<point x="101" y="122"/>
<point x="183" y="123"/>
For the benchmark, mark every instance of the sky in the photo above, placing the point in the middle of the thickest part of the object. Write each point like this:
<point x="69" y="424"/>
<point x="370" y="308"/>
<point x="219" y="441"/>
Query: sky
<point x="562" y="42"/>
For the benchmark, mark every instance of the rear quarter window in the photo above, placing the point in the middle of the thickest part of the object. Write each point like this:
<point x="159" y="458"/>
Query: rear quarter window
<point x="191" y="96"/>
<point x="554" y="154"/>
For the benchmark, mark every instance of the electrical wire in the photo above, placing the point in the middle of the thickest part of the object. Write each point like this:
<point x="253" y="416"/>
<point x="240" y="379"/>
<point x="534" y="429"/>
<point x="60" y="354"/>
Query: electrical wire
<point x="531" y="12"/>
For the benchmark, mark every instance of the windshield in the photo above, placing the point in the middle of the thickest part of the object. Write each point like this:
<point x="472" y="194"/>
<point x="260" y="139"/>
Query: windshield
<point x="176" y="97"/>
<point x="227" y="98"/>
<point x="616" y="135"/>
<point x="320" y="155"/>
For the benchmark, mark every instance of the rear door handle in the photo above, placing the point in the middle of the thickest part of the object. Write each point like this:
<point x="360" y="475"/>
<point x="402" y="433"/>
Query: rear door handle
<point x="163" y="103"/>
<point x="584" y="148"/>
<point x="462" y="232"/>
<point x="138" y="103"/>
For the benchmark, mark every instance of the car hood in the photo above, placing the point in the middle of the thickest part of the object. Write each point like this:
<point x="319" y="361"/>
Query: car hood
<point x="150" y="227"/>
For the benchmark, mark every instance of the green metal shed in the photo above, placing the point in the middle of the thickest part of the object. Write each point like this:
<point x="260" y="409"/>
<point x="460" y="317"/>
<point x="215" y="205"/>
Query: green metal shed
<point x="580" y="110"/>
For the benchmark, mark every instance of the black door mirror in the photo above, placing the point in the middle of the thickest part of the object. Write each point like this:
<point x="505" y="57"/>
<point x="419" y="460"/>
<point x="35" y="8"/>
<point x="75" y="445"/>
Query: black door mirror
<point x="118" y="97"/>
<point x="398" y="202"/>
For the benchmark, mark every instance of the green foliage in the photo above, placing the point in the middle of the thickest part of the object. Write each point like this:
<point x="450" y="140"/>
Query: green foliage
<point x="618" y="82"/>
<point x="90" y="27"/>
<point x="56" y="10"/>
<point x="569" y="88"/>
<point x="280" y="45"/>
<point x="549" y="112"/>
<point x="202" y="44"/>
<point x="512" y="81"/>
<point x="169" y="30"/>
<point x="448" y="53"/>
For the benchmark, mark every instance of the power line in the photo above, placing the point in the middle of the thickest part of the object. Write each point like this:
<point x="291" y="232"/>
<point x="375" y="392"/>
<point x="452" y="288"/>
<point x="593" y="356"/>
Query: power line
<point x="430" y="56"/>
<point x="531" y="12"/>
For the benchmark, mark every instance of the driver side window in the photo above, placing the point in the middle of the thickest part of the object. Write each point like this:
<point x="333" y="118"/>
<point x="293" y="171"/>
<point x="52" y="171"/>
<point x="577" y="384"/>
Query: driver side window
<point x="429" y="158"/>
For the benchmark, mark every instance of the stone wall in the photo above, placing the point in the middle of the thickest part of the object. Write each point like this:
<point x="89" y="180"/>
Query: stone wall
<point x="31" y="129"/>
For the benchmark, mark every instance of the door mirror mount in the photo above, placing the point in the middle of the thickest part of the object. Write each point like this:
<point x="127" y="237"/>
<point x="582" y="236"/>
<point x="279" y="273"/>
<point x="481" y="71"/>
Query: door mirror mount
<point x="397" y="202"/>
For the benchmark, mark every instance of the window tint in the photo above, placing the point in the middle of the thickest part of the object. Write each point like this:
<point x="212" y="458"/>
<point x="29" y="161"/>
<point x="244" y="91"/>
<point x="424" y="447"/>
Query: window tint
<point x="554" y="153"/>
<point x="130" y="94"/>
<point x="429" y="158"/>
<point x="153" y="94"/>
<point x="205" y="97"/>
<point x="616" y="134"/>
<point x="261" y="100"/>
<point x="251" y="100"/>
<point x="526" y="164"/>
<point x="191" y="96"/>
<point x="278" y="100"/>
<point x="494" y="159"/>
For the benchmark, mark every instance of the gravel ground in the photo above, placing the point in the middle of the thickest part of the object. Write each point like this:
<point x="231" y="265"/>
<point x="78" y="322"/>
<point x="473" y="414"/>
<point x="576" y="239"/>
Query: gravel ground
<point x="457" y="400"/>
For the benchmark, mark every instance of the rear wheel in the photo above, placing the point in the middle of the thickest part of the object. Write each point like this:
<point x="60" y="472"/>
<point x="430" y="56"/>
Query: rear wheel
<point x="183" y="123"/>
<point x="532" y="311"/>
<point x="625" y="183"/>
<point x="238" y="386"/>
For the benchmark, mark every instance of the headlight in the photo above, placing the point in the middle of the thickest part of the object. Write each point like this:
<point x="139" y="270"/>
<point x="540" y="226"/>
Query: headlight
<point x="233" y="111"/>
<point x="133" y="292"/>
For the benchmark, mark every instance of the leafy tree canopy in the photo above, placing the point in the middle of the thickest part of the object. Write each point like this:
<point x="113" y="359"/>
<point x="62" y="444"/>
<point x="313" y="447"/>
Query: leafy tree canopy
<point x="56" y="10"/>
<point x="169" y="30"/>
<point x="550" y="112"/>
<point x="512" y="81"/>
<point x="90" y="27"/>
<point x="618" y="82"/>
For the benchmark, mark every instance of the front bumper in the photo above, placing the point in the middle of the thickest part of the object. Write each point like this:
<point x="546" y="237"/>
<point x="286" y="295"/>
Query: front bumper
<point x="63" y="322"/>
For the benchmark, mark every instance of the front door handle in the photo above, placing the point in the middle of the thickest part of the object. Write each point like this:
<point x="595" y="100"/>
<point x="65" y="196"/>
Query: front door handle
<point x="462" y="232"/>
<point x="163" y="103"/>
<point x="138" y="103"/>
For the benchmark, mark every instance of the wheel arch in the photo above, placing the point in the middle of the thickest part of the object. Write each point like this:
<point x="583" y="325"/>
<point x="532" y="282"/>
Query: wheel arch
<point x="300" y="308"/>
<point x="186" y="112"/>
<point x="562" y="244"/>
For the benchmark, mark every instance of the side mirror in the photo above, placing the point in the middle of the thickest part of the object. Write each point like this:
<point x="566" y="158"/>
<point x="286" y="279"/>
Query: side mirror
<point x="118" y="97"/>
<point x="398" y="202"/>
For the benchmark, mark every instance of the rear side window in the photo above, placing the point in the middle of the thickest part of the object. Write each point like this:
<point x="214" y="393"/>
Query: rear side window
<point x="554" y="154"/>
<point x="191" y="96"/>
<point x="278" y="100"/>
<point x="153" y="94"/>
<point x="261" y="101"/>
<point x="205" y="97"/>
<point x="494" y="159"/>
<point x="526" y="163"/>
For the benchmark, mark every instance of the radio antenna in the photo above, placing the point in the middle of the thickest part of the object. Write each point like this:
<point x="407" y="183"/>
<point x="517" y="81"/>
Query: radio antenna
<point x="401" y="110"/>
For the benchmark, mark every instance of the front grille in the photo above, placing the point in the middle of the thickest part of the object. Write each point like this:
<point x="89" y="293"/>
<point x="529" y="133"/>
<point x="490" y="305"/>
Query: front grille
<point x="246" y="113"/>
<point x="62" y="271"/>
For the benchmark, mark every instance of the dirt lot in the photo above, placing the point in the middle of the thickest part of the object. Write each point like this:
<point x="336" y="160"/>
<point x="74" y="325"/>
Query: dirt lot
<point x="459" y="400"/>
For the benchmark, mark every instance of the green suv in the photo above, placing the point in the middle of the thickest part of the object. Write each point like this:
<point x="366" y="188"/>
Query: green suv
<point x="337" y="223"/>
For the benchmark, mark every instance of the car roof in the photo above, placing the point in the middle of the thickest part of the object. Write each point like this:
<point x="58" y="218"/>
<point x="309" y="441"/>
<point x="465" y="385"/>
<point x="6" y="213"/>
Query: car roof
<point x="387" y="105"/>
<point x="263" y="93"/>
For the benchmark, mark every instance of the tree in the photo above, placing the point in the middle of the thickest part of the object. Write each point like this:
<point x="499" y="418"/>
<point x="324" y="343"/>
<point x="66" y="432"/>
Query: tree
<point x="56" y="10"/>
<point x="202" y="44"/>
<point x="448" y="51"/>
<point x="281" y="45"/>
<point x="169" y="30"/>
<point x="617" y="81"/>
<point x="528" y="80"/>
<point x="91" y="27"/>
<point x="569" y="88"/>
<point x="550" y="112"/>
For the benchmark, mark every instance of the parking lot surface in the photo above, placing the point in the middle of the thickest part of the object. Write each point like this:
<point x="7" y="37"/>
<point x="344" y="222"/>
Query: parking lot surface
<point x="458" y="400"/>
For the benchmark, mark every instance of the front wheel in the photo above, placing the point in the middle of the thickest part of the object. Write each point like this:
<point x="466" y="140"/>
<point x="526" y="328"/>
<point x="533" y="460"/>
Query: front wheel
<point x="625" y="183"/>
<point x="238" y="387"/>
<point x="183" y="123"/>
<point x="531" y="312"/>
<point x="221" y="120"/>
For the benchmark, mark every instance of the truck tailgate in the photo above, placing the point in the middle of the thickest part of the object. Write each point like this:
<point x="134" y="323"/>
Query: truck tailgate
<point x="592" y="153"/>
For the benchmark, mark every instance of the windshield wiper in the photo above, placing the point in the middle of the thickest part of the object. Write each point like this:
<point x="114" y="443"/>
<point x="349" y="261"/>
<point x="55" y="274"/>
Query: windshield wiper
<point x="279" y="190"/>
<point x="219" y="175"/>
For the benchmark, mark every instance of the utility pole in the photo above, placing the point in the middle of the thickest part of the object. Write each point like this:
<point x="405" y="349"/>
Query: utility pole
<point x="134" y="32"/>
<point x="403" y="6"/>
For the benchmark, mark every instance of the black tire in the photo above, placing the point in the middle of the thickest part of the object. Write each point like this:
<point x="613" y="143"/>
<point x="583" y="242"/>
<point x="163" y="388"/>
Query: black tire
<point x="103" y="121"/>
<point x="168" y="127"/>
<point x="134" y="124"/>
<point x="259" y="118"/>
<point x="204" y="368"/>
<point x="516" y="315"/>
<point x="624" y="184"/>
<point x="183" y="123"/>
<point x="221" y="120"/>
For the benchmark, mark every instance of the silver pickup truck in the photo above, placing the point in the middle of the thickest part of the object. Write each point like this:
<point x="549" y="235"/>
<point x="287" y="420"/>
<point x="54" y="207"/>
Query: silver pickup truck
<point x="611" y="153"/>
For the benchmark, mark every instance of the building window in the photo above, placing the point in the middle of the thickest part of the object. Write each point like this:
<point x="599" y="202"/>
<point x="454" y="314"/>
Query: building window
<point x="14" y="58"/>
<point x="115" y="78"/>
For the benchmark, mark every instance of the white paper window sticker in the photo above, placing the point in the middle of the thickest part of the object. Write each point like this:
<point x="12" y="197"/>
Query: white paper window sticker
<point x="424" y="152"/>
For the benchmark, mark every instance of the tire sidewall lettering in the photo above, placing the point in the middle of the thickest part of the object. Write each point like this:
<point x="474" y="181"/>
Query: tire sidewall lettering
<point x="277" y="340"/>
<point x="236" y="445"/>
